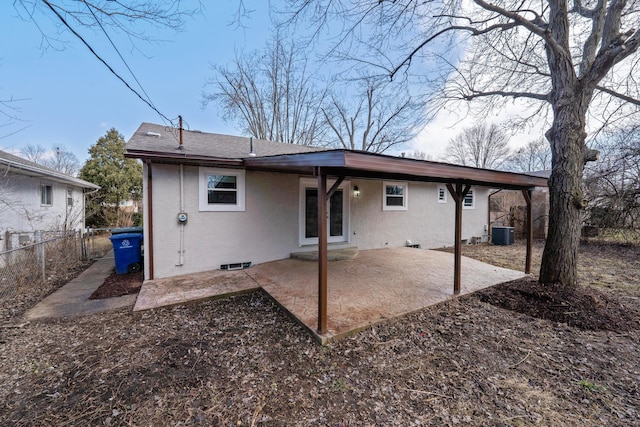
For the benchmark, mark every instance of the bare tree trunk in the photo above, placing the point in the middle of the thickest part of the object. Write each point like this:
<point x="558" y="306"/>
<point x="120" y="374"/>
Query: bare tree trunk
<point x="566" y="198"/>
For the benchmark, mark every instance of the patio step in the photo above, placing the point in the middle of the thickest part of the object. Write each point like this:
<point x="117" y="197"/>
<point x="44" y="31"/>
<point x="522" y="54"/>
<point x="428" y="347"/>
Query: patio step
<point x="332" y="254"/>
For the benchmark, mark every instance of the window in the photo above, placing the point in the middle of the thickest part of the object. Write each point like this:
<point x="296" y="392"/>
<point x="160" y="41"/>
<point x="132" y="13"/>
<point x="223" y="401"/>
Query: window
<point x="394" y="196"/>
<point x="469" y="200"/>
<point x="46" y="195"/>
<point x="69" y="197"/>
<point x="222" y="189"/>
<point x="442" y="194"/>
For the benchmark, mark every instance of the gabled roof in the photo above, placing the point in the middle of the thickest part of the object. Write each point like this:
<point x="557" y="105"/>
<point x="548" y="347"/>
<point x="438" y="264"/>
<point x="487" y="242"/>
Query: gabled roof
<point x="156" y="143"/>
<point x="11" y="163"/>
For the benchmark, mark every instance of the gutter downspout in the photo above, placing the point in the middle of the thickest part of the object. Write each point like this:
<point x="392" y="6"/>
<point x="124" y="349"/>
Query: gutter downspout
<point x="149" y="208"/>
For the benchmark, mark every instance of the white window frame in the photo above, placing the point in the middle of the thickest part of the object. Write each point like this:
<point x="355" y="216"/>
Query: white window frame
<point x="69" y="196"/>
<point x="205" y="206"/>
<point x="312" y="183"/>
<point x="472" y="194"/>
<point x="405" y="195"/>
<point x="43" y="188"/>
<point x="442" y="190"/>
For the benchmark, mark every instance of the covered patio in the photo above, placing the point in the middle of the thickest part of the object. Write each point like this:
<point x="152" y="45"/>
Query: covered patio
<point x="374" y="286"/>
<point x="337" y="296"/>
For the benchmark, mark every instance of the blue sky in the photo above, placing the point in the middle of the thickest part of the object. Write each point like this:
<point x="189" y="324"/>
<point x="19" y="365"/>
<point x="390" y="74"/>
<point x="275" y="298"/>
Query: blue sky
<point x="68" y="98"/>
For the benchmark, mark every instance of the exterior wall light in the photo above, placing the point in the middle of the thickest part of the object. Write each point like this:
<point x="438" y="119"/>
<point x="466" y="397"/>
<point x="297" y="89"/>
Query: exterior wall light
<point x="356" y="192"/>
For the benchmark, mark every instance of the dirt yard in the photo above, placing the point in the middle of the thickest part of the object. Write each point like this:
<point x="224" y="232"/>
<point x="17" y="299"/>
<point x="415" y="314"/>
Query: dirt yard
<point x="244" y="362"/>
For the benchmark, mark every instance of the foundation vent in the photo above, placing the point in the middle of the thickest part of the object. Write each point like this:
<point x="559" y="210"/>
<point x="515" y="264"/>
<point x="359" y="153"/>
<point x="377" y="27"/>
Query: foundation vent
<point x="236" y="266"/>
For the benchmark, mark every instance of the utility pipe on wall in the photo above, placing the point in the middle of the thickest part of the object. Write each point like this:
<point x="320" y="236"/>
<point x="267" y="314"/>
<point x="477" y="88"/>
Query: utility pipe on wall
<point x="181" y="249"/>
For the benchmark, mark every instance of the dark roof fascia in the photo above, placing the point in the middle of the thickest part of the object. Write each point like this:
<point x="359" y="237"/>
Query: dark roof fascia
<point x="357" y="164"/>
<point x="368" y="165"/>
<point x="51" y="175"/>
<point x="185" y="159"/>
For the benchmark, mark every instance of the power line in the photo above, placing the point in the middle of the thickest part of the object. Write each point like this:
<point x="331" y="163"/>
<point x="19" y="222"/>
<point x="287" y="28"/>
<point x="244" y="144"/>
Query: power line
<point x="120" y="55"/>
<point x="75" y="33"/>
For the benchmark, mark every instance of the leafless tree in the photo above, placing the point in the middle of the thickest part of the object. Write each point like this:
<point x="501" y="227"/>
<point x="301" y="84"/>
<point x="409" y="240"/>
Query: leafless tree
<point x="58" y="159"/>
<point x="419" y="155"/>
<point x="613" y="183"/>
<point x="34" y="153"/>
<point x="130" y="20"/>
<point x="575" y="60"/>
<point x="376" y="118"/>
<point x="10" y="117"/>
<point x="64" y="161"/>
<point x="129" y="17"/>
<point x="271" y="95"/>
<point x="534" y="156"/>
<point x="481" y="146"/>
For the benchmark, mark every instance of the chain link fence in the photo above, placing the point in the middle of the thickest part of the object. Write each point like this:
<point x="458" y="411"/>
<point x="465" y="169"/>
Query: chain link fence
<point x="33" y="264"/>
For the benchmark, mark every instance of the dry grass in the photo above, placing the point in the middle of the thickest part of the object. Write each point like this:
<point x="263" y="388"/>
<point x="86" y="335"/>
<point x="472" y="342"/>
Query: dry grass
<point x="244" y="362"/>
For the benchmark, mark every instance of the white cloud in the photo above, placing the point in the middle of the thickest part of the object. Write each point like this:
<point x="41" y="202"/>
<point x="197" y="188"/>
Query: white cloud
<point x="436" y="135"/>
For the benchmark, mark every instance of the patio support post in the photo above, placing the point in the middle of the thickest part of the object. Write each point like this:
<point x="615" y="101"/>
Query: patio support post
<point x="458" y="195"/>
<point x="322" y="252"/>
<point x="529" y="227"/>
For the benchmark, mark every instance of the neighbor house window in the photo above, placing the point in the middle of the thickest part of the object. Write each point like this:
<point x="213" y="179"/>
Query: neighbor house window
<point x="222" y="189"/>
<point x="394" y="196"/>
<point x="442" y="195"/>
<point x="46" y="195"/>
<point x="69" y="197"/>
<point x="469" y="200"/>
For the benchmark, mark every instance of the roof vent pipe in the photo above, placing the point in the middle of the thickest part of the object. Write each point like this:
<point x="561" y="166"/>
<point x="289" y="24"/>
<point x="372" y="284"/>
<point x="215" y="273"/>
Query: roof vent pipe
<point x="251" y="153"/>
<point x="180" y="147"/>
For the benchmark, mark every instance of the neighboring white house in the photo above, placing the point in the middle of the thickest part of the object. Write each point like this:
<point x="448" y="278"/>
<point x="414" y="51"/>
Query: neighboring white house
<point x="216" y="201"/>
<point x="36" y="198"/>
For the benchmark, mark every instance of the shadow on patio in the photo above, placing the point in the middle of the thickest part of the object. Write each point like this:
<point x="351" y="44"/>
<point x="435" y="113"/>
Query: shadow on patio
<point x="377" y="285"/>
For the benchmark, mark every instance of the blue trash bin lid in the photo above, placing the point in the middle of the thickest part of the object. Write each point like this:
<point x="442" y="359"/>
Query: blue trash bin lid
<point x="126" y="236"/>
<point x="126" y="230"/>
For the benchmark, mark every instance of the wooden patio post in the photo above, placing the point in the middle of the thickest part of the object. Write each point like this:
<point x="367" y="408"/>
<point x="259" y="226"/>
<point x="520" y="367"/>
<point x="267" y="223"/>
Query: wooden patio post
<point x="458" y="195"/>
<point x="529" y="227"/>
<point x="322" y="252"/>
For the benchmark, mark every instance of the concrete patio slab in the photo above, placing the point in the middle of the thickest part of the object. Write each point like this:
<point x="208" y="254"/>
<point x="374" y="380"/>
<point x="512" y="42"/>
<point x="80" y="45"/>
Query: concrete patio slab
<point x="374" y="286"/>
<point x="377" y="285"/>
<point x="193" y="287"/>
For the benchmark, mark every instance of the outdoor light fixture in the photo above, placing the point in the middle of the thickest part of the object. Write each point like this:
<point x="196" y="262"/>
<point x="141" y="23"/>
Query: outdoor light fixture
<point x="356" y="192"/>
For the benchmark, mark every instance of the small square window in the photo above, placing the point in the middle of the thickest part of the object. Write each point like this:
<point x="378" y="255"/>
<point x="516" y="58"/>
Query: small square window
<point x="469" y="200"/>
<point x="442" y="195"/>
<point x="394" y="196"/>
<point x="46" y="195"/>
<point x="222" y="189"/>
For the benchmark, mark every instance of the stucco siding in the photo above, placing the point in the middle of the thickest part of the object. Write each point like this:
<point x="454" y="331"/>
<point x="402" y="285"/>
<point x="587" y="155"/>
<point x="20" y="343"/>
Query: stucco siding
<point x="425" y="222"/>
<point x="268" y="228"/>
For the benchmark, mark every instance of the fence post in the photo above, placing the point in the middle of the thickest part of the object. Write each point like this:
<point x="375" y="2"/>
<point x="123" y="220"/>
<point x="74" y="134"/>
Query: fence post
<point x="40" y="252"/>
<point x="88" y="243"/>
